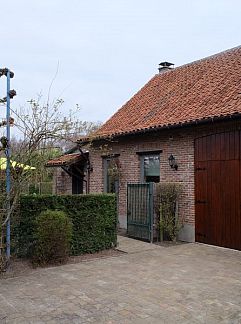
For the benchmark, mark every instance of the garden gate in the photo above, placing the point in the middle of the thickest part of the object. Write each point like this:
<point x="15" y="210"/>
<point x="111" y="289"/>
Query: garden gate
<point x="140" y="210"/>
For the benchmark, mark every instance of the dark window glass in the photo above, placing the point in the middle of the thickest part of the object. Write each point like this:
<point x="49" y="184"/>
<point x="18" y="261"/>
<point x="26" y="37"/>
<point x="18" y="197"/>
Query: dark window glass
<point x="111" y="174"/>
<point x="151" y="168"/>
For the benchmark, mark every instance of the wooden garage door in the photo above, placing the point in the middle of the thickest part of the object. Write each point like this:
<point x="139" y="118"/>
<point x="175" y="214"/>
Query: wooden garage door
<point x="217" y="189"/>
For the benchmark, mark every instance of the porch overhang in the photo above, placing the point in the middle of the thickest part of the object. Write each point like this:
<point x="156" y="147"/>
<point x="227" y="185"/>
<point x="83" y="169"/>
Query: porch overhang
<point x="68" y="160"/>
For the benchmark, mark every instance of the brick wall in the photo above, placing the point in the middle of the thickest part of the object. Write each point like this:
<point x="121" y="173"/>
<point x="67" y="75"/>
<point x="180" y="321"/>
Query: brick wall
<point x="180" y="143"/>
<point x="62" y="183"/>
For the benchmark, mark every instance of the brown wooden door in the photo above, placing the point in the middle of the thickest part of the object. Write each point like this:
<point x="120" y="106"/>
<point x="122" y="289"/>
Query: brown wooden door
<point x="217" y="190"/>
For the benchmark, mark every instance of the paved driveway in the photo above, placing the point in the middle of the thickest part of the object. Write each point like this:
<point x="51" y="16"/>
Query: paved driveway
<point x="189" y="283"/>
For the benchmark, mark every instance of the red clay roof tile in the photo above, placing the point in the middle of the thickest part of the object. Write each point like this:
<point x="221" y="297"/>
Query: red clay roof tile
<point x="65" y="160"/>
<point x="210" y="87"/>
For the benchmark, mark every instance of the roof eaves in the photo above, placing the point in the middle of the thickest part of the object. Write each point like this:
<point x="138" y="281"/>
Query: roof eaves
<point x="189" y="123"/>
<point x="61" y="160"/>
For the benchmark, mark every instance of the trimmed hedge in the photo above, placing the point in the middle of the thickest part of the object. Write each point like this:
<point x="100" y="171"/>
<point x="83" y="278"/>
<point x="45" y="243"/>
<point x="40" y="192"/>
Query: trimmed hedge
<point x="53" y="237"/>
<point x="94" y="219"/>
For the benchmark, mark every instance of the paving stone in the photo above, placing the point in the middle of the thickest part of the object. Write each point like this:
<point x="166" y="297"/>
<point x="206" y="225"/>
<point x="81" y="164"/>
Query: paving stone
<point x="189" y="283"/>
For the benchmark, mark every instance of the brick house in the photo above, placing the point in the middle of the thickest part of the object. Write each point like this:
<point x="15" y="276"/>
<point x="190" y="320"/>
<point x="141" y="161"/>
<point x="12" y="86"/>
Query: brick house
<point x="192" y="114"/>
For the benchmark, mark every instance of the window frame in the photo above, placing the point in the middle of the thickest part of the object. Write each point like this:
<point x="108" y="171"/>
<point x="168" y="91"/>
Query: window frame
<point x="106" y="159"/>
<point x="145" y="154"/>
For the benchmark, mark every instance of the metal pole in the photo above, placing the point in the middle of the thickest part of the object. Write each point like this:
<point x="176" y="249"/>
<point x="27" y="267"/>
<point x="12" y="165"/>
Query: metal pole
<point x="8" y="174"/>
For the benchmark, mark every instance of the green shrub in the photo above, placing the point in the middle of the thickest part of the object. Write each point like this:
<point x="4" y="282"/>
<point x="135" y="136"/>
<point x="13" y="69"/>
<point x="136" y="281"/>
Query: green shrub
<point x="53" y="234"/>
<point x="93" y="217"/>
<point x="168" y="195"/>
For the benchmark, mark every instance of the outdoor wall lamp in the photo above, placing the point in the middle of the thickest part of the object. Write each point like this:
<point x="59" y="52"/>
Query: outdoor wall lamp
<point x="172" y="162"/>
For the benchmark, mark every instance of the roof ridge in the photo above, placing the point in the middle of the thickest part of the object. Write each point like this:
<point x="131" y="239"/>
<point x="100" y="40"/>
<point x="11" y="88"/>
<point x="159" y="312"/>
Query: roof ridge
<point x="212" y="56"/>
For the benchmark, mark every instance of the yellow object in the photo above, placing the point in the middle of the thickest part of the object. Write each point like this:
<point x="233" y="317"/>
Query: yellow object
<point x="14" y="164"/>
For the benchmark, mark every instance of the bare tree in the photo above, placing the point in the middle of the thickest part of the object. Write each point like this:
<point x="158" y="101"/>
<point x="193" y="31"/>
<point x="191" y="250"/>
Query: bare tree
<point x="41" y="127"/>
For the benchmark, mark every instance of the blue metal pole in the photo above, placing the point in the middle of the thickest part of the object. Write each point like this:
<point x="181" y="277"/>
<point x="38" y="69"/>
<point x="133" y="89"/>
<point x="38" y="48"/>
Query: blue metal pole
<point x="8" y="174"/>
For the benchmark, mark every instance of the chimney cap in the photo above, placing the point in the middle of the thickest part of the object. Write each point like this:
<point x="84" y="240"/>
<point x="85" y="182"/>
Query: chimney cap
<point x="166" y="64"/>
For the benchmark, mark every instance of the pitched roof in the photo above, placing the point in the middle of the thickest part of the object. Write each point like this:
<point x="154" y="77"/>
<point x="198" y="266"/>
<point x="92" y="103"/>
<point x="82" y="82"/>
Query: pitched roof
<point x="66" y="159"/>
<point x="208" y="88"/>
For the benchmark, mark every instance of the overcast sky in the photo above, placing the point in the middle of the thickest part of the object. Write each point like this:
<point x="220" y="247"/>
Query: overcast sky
<point x="107" y="49"/>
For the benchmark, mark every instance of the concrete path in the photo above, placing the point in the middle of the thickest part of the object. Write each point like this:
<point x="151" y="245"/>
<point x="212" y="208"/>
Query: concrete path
<point x="189" y="283"/>
<point x="129" y="245"/>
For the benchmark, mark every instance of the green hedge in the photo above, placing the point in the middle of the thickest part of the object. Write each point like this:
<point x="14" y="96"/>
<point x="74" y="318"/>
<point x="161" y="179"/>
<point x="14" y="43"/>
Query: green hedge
<point x="53" y="237"/>
<point x="94" y="219"/>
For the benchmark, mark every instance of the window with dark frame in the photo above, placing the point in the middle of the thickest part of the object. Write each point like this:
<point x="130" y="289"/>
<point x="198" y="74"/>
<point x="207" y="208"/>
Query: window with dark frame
<point x="111" y="174"/>
<point x="150" y="167"/>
